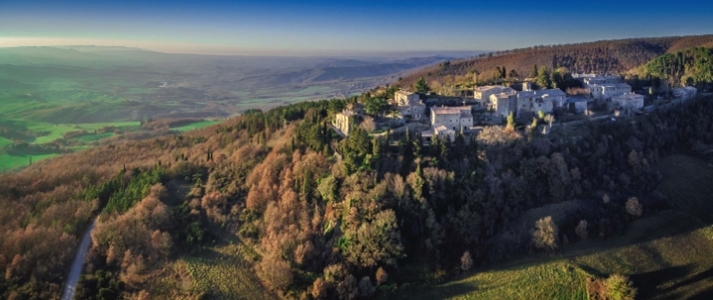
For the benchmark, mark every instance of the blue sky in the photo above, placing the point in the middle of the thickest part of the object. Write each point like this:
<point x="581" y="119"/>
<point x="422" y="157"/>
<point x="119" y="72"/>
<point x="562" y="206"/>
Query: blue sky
<point x="316" y="27"/>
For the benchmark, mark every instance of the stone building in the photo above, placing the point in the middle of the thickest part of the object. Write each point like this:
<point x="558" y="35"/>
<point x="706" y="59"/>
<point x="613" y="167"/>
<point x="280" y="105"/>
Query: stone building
<point x="685" y="92"/>
<point x="344" y="121"/>
<point x="483" y="93"/>
<point x="440" y="132"/>
<point x="605" y="92"/>
<point x="589" y="79"/>
<point x="577" y="105"/>
<point x="402" y="97"/>
<point x="628" y="102"/>
<point x="529" y="102"/>
<point x="409" y="105"/>
<point x="415" y="111"/>
<point x="503" y="103"/>
<point x="456" y="118"/>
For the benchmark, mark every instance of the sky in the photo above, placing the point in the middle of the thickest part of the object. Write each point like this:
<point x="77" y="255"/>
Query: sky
<point x="312" y="27"/>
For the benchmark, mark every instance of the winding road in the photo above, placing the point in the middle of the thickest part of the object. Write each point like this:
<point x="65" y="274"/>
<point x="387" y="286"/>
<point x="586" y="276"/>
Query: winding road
<point x="78" y="264"/>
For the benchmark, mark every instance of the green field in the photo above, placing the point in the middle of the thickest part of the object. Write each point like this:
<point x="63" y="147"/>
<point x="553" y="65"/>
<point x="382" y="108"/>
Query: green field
<point x="48" y="133"/>
<point x="8" y="162"/>
<point x="667" y="255"/>
<point x="95" y="137"/>
<point x="51" y="132"/>
<point x="57" y="130"/>
<point x="196" y="125"/>
<point x="4" y="142"/>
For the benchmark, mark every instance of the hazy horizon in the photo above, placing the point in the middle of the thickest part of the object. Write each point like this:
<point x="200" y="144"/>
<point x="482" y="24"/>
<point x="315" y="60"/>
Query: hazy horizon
<point x="311" y="28"/>
<point x="8" y="43"/>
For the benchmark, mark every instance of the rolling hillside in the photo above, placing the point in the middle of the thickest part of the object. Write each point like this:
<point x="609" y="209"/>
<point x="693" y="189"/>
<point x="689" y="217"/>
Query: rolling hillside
<point x="665" y="257"/>
<point x="600" y="56"/>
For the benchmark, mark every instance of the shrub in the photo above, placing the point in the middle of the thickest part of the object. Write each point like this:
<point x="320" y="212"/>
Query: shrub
<point x="633" y="207"/>
<point x="619" y="287"/>
<point x="545" y="234"/>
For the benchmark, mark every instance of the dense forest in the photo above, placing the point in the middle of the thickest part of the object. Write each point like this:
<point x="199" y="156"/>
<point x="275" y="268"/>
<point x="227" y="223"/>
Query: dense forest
<point x="608" y="56"/>
<point x="692" y="67"/>
<point x="329" y="217"/>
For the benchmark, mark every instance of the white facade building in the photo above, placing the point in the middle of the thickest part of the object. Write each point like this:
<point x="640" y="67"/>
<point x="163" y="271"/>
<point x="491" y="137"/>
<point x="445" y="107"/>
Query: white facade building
<point x="344" y="121"/>
<point x="456" y="118"/>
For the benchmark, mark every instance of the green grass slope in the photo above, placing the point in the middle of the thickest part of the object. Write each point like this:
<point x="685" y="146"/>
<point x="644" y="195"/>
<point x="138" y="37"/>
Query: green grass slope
<point x="667" y="255"/>
<point x="10" y="161"/>
<point x="4" y="142"/>
<point x="196" y="125"/>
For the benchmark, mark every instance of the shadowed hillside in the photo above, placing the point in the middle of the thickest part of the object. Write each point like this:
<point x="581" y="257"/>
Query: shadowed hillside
<point x="608" y="56"/>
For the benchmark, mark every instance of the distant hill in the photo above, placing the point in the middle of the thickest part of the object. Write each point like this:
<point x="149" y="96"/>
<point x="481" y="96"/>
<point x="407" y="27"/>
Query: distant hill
<point x="613" y="56"/>
<point x="347" y="69"/>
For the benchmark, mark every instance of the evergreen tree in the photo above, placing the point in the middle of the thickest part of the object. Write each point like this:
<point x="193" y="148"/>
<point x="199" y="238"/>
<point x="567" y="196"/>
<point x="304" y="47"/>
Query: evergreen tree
<point x="543" y="79"/>
<point x="511" y="121"/>
<point x="421" y="86"/>
<point x="435" y="147"/>
<point x="417" y="146"/>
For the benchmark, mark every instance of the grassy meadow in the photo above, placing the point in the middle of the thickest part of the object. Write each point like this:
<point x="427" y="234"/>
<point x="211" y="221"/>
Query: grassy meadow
<point x="196" y="125"/>
<point x="4" y="142"/>
<point x="665" y="257"/>
<point x="40" y="133"/>
<point x="9" y="161"/>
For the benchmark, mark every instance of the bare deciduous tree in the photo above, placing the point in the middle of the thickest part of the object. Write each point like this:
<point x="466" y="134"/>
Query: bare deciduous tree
<point x="545" y="234"/>
<point x="633" y="207"/>
<point x="368" y="124"/>
<point x="466" y="261"/>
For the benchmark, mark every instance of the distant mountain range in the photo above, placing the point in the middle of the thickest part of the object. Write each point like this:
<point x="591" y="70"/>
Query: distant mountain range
<point x="342" y="70"/>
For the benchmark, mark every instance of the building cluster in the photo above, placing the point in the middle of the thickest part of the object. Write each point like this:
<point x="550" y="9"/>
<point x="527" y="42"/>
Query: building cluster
<point x="449" y="116"/>
<point x="611" y="89"/>
<point x="505" y="100"/>
<point x="603" y="87"/>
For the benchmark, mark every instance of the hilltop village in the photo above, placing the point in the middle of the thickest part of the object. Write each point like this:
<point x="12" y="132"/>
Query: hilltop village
<point x="603" y="97"/>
